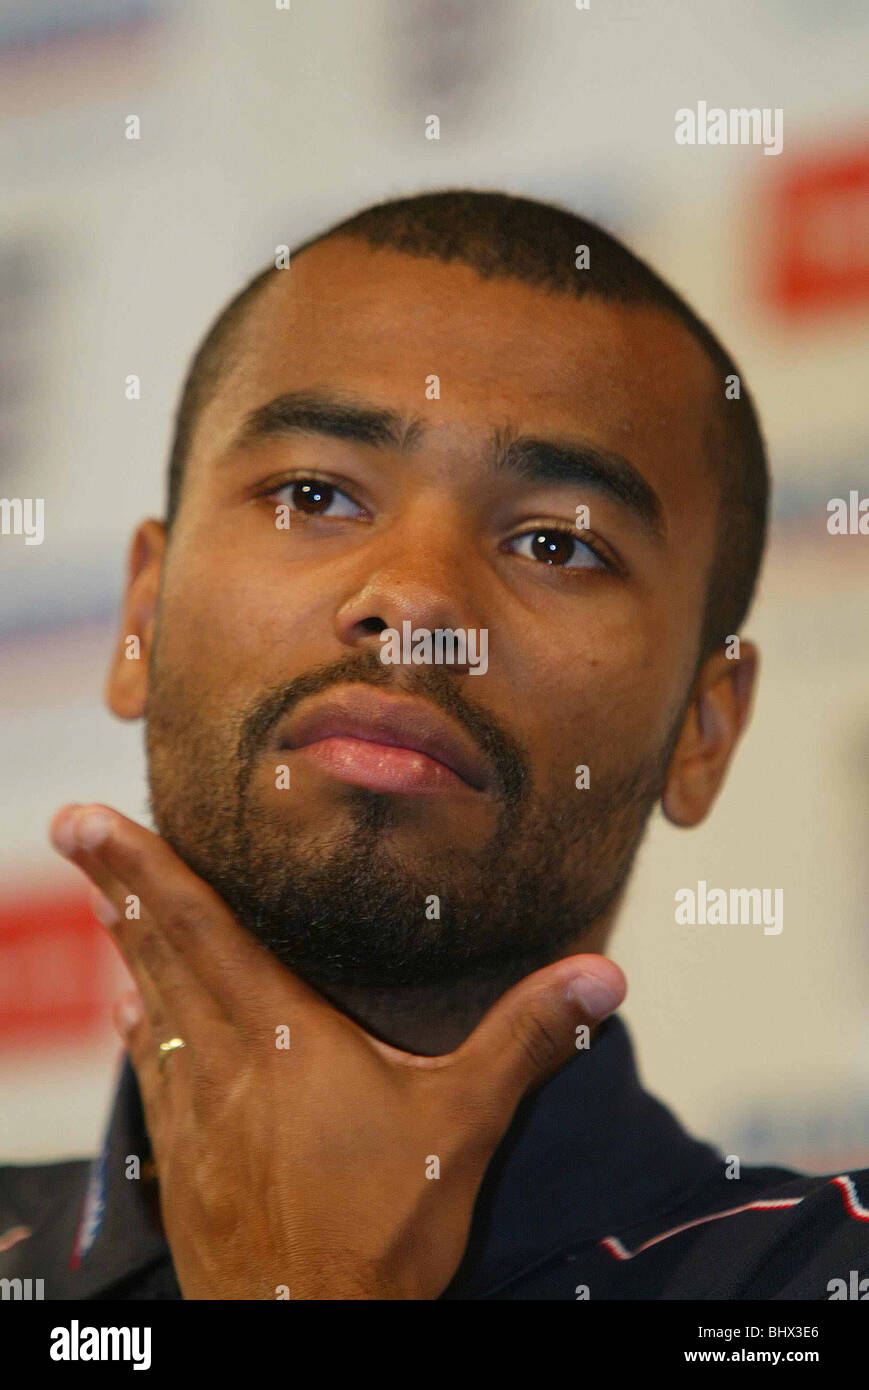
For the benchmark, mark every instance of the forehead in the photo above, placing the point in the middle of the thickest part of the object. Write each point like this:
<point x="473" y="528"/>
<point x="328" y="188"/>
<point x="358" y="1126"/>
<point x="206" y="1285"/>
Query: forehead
<point x="382" y="323"/>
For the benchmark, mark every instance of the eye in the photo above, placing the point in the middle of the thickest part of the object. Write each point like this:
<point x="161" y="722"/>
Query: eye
<point x="314" y="497"/>
<point x="553" y="546"/>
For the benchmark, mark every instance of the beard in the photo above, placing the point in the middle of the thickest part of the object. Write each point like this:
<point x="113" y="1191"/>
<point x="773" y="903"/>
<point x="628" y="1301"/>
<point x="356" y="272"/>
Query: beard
<point x="340" y="905"/>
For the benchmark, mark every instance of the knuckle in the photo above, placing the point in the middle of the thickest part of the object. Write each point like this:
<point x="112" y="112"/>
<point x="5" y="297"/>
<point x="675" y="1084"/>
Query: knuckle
<point x="180" y="913"/>
<point x="536" y="1040"/>
<point x="151" y="949"/>
<point x="133" y="856"/>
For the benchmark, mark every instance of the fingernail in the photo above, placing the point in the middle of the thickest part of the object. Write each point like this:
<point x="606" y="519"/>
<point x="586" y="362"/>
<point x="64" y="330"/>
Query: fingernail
<point x="92" y="828"/>
<point x="128" y="1012"/>
<point x="597" y="996"/>
<point x="61" y="831"/>
<point x="104" y="909"/>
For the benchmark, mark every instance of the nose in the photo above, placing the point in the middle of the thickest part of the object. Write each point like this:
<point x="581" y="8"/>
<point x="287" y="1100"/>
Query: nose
<point x="423" y="570"/>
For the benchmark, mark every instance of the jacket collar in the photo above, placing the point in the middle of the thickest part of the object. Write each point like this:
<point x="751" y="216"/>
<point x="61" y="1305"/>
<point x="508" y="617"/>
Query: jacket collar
<point x="589" y="1154"/>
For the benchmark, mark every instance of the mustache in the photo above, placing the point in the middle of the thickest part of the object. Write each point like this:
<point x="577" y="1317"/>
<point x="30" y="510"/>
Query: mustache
<point x="506" y="754"/>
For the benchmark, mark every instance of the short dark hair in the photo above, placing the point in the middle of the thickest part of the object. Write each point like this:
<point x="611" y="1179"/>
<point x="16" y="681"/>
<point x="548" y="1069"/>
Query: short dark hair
<point x="502" y="235"/>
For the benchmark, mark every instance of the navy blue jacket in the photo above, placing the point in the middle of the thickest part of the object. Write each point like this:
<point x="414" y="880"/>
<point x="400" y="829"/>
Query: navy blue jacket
<point x="595" y="1192"/>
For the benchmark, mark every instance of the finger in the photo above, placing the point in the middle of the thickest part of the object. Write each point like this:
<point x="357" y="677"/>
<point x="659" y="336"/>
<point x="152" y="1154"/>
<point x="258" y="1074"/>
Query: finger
<point x="131" y="1021"/>
<point x="155" y="1005"/>
<point x="163" y="1077"/>
<point x="186" y="913"/>
<point x="147" y="955"/>
<point x="109" y="901"/>
<point x="539" y="1025"/>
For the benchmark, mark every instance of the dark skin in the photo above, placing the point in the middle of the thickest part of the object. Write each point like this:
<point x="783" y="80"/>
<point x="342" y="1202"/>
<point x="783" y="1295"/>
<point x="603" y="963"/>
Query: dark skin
<point x="313" y="1161"/>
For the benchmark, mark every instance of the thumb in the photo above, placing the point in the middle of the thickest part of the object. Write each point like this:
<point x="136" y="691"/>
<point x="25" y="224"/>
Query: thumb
<point x="533" y="1029"/>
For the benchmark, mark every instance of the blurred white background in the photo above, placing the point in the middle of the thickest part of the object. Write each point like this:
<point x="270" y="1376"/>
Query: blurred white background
<point x="260" y="126"/>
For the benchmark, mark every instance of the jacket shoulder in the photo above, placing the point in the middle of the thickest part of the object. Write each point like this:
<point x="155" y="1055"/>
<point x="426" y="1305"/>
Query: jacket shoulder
<point x="772" y="1233"/>
<point x="787" y="1236"/>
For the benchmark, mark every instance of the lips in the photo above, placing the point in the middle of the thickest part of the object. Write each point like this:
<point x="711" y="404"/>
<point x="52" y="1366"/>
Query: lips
<point x="391" y="722"/>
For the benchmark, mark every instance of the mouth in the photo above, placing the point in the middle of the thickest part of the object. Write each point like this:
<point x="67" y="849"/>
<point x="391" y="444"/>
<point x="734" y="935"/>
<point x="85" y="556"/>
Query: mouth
<point x="387" y="743"/>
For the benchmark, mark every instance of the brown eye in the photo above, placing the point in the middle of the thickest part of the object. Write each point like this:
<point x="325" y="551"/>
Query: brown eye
<point x="316" y="498"/>
<point x="553" y="547"/>
<point x="312" y="496"/>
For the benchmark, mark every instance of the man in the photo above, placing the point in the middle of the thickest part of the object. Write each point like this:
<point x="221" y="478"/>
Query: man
<point x="461" y="518"/>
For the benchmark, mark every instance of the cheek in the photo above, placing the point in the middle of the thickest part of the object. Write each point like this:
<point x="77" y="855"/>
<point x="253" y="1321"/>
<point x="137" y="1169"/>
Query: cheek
<point x="234" y="629"/>
<point x="609" y="698"/>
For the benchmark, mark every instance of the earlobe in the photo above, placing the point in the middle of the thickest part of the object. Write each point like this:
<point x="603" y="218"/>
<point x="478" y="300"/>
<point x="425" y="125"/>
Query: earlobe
<point x="126" y="686"/>
<point x="677" y="801"/>
<point x="713" y="724"/>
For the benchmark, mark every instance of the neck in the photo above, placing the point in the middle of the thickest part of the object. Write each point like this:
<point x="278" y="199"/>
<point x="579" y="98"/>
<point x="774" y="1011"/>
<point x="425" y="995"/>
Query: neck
<point x="436" y="1019"/>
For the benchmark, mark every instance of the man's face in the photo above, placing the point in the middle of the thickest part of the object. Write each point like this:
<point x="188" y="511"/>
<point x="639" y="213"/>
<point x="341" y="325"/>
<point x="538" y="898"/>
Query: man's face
<point x="400" y="868"/>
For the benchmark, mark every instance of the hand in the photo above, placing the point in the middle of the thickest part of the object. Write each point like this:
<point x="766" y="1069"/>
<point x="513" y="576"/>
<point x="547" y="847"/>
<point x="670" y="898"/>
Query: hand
<point x="305" y="1169"/>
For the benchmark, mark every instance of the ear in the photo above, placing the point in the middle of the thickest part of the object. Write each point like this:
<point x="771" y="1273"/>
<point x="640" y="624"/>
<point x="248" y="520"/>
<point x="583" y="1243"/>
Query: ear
<point x="719" y="711"/>
<point x="126" y="686"/>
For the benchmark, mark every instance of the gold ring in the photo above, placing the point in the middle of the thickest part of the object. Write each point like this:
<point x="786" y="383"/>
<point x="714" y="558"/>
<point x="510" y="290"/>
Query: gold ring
<point x="167" y="1047"/>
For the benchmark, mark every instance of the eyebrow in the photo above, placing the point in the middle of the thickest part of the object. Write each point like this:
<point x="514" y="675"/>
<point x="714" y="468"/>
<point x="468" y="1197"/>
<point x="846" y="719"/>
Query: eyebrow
<point x="582" y="465"/>
<point x="560" y="461"/>
<point x="312" y="412"/>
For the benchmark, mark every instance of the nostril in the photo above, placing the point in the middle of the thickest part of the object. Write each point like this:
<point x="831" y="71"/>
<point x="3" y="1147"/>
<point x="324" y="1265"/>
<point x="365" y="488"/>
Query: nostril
<point x="372" y="625"/>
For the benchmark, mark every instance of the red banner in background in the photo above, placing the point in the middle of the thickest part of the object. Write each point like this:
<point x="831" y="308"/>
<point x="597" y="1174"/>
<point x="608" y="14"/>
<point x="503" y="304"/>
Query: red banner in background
<point x="58" y="970"/>
<point x="820" y="233"/>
